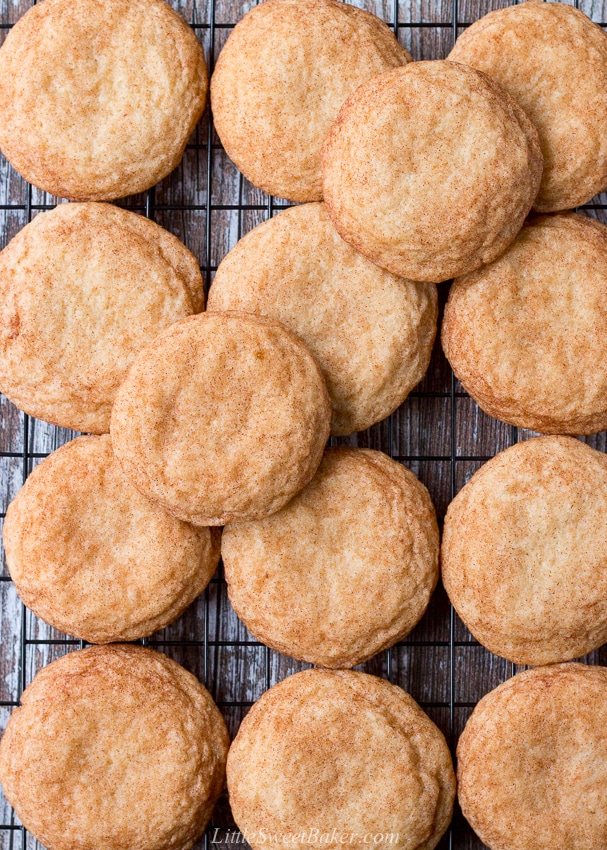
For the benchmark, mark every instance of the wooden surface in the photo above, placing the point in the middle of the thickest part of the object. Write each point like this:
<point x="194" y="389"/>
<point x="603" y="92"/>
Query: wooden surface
<point x="439" y="433"/>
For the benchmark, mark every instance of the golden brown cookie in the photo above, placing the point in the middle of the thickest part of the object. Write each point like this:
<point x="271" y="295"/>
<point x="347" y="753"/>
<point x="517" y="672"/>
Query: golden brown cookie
<point x="82" y="289"/>
<point x="527" y="335"/>
<point x="370" y="332"/>
<point x="343" y="755"/>
<point x="345" y="570"/>
<point x="281" y="79"/>
<point x="429" y="170"/>
<point x="223" y="417"/>
<point x="114" y="748"/>
<point x="93" y="557"/>
<point x="552" y="60"/>
<point x="98" y="99"/>
<point x="532" y="761"/>
<point x="524" y="554"/>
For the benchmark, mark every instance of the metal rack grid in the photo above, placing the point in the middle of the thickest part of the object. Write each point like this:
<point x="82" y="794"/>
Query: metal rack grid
<point x="439" y="433"/>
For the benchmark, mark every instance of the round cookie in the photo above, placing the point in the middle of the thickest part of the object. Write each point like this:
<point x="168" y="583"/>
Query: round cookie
<point x="370" y="332"/>
<point x="429" y="170"/>
<point x="117" y="748"/>
<point x="345" y="570"/>
<point x="281" y="79"/>
<point x="526" y="335"/>
<point x="532" y="761"/>
<point x="93" y="557"/>
<point x="223" y="417"/>
<point x="524" y="553"/>
<point x="552" y="60"/>
<point x="341" y="754"/>
<point x="82" y="289"/>
<point x="98" y="99"/>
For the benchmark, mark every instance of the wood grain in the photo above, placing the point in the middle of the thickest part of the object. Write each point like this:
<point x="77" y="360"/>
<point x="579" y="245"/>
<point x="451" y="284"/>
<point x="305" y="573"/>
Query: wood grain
<point x="437" y="432"/>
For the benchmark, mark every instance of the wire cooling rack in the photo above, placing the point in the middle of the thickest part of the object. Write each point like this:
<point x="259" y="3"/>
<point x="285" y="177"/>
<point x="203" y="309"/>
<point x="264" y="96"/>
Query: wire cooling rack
<point x="438" y="432"/>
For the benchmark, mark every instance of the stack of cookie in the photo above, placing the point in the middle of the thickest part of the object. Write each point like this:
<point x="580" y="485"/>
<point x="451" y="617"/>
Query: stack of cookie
<point x="319" y="322"/>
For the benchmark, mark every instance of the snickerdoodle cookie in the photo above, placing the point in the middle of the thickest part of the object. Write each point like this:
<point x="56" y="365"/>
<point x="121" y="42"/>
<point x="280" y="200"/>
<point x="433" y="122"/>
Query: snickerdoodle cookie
<point x="93" y="557"/>
<point x="532" y="761"/>
<point x="345" y="570"/>
<point x="524" y="555"/>
<point x="370" y="332"/>
<point x="341" y="754"/>
<point x="553" y="61"/>
<point x="429" y="170"/>
<point x="117" y="748"/>
<point x="527" y="335"/>
<point x="82" y="289"/>
<point x="223" y="417"/>
<point x="281" y="79"/>
<point x="98" y="99"/>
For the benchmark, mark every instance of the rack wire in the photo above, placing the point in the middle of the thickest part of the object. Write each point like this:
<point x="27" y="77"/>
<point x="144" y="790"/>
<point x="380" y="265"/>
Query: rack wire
<point x="438" y="432"/>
